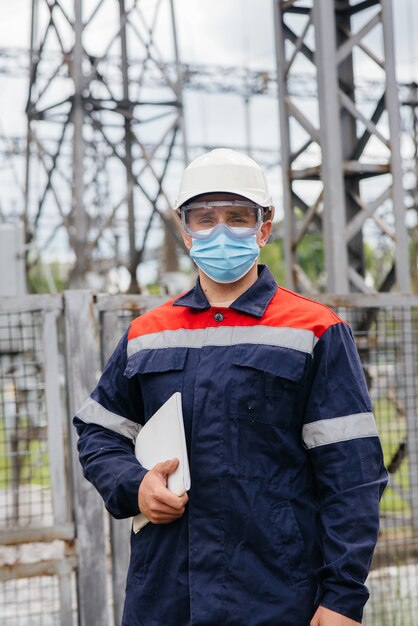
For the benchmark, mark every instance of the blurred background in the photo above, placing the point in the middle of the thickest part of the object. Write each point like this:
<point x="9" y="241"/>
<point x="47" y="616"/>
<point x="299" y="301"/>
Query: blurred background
<point x="102" y="104"/>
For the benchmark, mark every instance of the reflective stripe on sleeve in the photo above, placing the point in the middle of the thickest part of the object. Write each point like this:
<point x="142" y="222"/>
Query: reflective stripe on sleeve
<point x="337" y="429"/>
<point x="295" y="338"/>
<point x="94" y="413"/>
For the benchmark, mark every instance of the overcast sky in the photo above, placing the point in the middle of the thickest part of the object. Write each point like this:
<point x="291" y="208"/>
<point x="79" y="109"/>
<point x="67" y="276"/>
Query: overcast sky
<point x="231" y="30"/>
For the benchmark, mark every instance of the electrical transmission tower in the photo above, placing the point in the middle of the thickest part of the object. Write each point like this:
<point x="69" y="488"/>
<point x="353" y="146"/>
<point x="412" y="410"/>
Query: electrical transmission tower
<point x="341" y="160"/>
<point x="108" y="110"/>
<point x="409" y="103"/>
<point x="106" y="132"/>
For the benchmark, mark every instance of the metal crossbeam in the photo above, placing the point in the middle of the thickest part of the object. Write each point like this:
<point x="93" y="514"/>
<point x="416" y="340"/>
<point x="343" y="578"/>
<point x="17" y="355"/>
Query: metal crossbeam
<point x="105" y="122"/>
<point x="336" y="143"/>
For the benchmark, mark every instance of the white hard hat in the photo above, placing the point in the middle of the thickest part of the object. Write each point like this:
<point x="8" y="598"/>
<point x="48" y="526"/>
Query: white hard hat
<point x="224" y="171"/>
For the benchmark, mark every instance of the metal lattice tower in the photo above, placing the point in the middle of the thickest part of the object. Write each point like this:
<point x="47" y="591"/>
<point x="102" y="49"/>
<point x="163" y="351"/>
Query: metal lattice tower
<point x="409" y="103"/>
<point x="107" y="109"/>
<point x="341" y="161"/>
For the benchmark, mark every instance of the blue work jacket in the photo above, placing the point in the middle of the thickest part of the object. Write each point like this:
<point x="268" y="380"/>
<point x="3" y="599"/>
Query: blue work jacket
<point x="286" y="465"/>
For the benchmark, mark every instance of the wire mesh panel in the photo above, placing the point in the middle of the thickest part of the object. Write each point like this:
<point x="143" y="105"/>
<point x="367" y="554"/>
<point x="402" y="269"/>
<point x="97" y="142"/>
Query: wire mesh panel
<point x="33" y="601"/>
<point x="115" y="313"/>
<point x="25" y="494"/>
<point x="35" y="578"/>
<point x="30" y="601"/>
<point x="393" y="591"/>
<point x="386" y="339"/>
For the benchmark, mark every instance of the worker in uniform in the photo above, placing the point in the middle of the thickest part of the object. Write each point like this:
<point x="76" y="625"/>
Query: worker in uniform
<point x="280" y="523"/>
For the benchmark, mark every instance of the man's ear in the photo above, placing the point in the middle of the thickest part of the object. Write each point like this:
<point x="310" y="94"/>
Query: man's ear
<point x="264" y="233"/>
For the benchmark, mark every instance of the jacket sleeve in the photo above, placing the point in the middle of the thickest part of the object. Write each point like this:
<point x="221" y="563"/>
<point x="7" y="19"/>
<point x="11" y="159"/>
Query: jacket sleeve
<point x="107" y="425"/>
<point x="340" y="435"/>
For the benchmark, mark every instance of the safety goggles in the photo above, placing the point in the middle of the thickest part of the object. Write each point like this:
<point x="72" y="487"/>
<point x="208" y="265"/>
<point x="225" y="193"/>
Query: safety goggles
<point x="203" y="220"/>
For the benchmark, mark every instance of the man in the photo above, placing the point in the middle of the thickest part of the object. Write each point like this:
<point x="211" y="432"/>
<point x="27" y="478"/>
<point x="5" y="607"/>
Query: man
<point x="281" y="520"/>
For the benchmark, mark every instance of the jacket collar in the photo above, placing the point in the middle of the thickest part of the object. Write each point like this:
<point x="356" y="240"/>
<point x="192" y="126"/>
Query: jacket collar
<point x="254" y="301"/>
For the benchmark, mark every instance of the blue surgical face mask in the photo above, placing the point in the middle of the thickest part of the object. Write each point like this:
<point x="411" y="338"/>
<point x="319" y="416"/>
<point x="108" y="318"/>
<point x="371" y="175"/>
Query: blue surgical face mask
<point x="224" y="258"/>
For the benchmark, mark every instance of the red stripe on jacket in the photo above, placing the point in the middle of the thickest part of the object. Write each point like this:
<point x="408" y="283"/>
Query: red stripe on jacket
<point x="286" y="309"/>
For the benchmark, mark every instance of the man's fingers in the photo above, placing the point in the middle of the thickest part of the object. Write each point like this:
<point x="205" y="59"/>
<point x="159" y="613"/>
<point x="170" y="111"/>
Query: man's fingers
<point x="169" y="499"/>
<point x="184" y="498"/>
<point x="164" y="519"/>
<point x="159" y="507"/>
<point x="166" y="467"/>
<point x="161" y="513"/>
<point x="155" y="501"/>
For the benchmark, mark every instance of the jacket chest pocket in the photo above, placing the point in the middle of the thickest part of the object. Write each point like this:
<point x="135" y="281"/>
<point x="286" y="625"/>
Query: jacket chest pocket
<point x="265" y="384"/>
<point x="159" y="374"/>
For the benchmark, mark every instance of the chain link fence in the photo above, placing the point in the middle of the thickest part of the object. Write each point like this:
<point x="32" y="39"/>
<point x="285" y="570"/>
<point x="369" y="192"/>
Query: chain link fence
<point x="24" y="471"/>
<point x="386" y="338"/>
<point x="43" y="538"/>
<point x="37" y="574"/>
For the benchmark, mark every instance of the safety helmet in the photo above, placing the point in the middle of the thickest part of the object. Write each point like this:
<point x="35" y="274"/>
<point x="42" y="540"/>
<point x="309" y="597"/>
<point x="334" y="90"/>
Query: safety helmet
<point x="224" y="171"/>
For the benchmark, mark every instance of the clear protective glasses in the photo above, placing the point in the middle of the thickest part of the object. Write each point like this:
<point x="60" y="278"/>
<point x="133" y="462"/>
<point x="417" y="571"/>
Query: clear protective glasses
<point x="203" y="220"/>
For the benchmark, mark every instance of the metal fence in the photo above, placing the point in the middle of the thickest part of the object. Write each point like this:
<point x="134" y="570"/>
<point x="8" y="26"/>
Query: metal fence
<point x="54" y="536"/>
<point x="36" y="529"/>
<point x="386" y="338"/>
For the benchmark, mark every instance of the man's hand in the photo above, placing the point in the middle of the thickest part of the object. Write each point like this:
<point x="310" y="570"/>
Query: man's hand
<point x="156" y="502"/>
<point x="326" y="617"/>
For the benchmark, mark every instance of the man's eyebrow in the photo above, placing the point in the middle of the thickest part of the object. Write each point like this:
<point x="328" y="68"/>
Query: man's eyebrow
<point x="204" y="210"/>
<point x="237" y="211"/>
